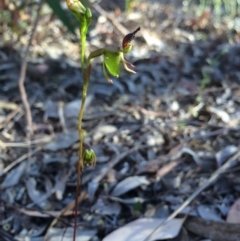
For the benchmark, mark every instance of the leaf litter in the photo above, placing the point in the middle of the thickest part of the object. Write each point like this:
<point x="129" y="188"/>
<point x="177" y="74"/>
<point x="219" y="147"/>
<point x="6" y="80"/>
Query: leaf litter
<point x="161" y="135"/>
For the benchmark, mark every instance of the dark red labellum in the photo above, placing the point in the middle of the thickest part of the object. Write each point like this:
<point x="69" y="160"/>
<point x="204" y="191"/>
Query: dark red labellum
<point x="128" y="38"/>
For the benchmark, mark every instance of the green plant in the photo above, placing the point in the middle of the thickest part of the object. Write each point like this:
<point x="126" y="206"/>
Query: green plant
<point x="17" y="15"/>
<point x="129" y="4"/>
<point x="111" y="64"/>
<point x="221" y="8"/>
<point x="208" y="70"/>
<point x="181" y="124"/>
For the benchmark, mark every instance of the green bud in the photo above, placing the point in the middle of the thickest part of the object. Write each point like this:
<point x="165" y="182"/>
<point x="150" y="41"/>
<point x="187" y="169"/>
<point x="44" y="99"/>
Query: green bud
<point x="89" y="157"/>
<point x="88" y="17"/>
<point x="83" y="134"/>
<point x="76" y="8"/>
<point x="88" y="13"/>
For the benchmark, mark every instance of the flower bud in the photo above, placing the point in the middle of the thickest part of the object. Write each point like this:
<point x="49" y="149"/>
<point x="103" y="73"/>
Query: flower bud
<point x="76" y="8"/>
<point x="89" y="157"/>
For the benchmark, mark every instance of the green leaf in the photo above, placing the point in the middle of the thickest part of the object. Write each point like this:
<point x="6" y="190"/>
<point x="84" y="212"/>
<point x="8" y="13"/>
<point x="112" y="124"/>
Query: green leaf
<point x="57" y="9"/>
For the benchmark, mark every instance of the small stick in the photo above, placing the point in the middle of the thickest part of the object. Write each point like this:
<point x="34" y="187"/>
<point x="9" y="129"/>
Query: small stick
<point x="23" y="75"/>
<point x="22" y="87"/>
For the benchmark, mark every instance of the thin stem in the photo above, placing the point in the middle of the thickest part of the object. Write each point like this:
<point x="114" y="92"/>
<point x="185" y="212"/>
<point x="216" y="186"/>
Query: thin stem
<point x="83" y="42"/>
<point x="86" y="77"/>
<point x="80" y="162"/>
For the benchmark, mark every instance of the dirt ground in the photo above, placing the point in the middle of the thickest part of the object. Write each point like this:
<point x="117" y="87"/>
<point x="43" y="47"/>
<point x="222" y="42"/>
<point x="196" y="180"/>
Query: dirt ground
<point x="167" y="134"/>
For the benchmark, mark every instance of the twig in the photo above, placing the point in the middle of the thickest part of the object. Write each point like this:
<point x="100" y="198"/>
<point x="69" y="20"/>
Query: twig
<point x="46" y="214"/>
<point x="8" y="124"/>
<point x="43" y="140"/>
<point x="117" y="159"/>
<point x="23" y="75"/>
<point x="115" y="23"/>
<point x="6" y="236"/>
<point x="61" y="116"/>
<point x="20" y="159"/>
<point x="209" y="182"/>
<point x="66" y="209"/>
<point x="213" y="230"/>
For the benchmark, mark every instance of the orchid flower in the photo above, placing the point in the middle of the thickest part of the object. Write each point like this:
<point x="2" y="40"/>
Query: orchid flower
<point x="112" y="57"/>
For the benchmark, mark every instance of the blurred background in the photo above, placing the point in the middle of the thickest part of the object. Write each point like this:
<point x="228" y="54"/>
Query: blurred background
<point x="158" y="134"/>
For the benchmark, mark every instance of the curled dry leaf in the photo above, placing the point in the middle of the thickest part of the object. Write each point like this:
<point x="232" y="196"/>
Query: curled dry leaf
<point x="193" y="154"/>
<point x="220" y="113"/>
<point x="225" y="153"/>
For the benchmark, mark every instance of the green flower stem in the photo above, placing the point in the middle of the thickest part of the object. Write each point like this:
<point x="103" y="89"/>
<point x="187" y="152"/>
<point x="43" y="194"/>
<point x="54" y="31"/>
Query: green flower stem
<point x="80" y="162"/>
<point x="111" y="64"/>
<point x="83" y="43"/>
<point x="86" y="76"/>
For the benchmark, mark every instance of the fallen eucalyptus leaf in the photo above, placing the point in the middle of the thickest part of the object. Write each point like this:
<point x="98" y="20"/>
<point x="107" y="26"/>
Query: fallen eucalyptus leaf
<point x="14" y="176"/>
<point x="225" y="153"/>
<point x="208" y="213"/>
<point x="103" y="130"/>
<point x="105" y="207"/>
<point x="38" y="197"/>
<point x="63" y="141"/>
<point x="56" y="234"/>
<point x="140" y="229"/>
<point x="129" y="184"/>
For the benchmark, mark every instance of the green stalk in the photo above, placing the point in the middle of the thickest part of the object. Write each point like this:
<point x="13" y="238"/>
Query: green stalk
<point x="83" y="45"/>
<point x="86" y="76"/>
<point x="80" y="162"/>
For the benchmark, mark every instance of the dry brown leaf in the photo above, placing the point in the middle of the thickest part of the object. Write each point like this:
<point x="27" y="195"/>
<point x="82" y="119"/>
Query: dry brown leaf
<point x="234" y="213"/>
<point x="216" y="231"/>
